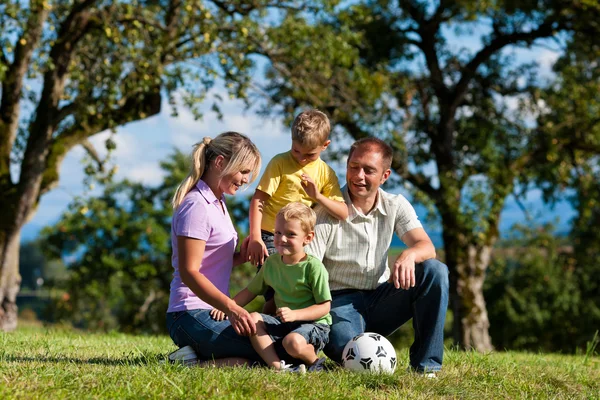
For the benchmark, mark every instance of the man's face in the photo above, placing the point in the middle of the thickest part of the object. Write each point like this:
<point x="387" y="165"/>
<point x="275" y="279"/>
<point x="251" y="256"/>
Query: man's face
<point x="365" y="172"/>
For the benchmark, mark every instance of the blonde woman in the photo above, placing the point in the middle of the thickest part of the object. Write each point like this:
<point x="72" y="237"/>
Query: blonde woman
<point x="204" y="242"/>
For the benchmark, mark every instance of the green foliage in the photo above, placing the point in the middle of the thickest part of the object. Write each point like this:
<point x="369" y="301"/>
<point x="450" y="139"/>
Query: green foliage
<point x="536" y="294"/>
<point x="53" y="363"/>
<point x="119" y="253"/>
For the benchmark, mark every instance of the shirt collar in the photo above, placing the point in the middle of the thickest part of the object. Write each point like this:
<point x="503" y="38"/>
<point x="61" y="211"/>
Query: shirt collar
<point x="206" y="192"/>
<point x="353" y="212"/>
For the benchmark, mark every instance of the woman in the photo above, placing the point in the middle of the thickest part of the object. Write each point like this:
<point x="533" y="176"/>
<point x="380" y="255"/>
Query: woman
<point x="204" y="242"/>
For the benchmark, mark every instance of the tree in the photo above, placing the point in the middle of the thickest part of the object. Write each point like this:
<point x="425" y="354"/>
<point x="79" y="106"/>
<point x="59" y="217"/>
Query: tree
<point x="389" y="69"/>
<point x="119" y="251"/>
<point x="568" y="130"/>
<point x="80" y="67"/>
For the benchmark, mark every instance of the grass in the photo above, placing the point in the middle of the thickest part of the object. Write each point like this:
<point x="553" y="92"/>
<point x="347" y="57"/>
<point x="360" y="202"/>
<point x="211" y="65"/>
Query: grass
<point x="49" y="363"/>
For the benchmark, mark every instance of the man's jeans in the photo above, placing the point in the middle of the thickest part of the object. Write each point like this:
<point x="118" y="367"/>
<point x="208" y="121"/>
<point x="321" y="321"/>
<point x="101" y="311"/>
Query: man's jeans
<point x="386" y="308"/>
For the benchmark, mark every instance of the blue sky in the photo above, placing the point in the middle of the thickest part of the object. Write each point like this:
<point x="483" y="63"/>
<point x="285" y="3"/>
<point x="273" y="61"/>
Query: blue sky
<point x="141" y="145"/>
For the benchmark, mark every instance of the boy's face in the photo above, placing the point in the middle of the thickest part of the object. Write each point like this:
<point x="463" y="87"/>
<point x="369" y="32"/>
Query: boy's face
<point x="307" y="154"/>
<point x="290" y="238"/>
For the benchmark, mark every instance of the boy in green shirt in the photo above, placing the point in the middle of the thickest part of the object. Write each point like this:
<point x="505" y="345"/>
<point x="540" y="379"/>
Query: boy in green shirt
<point x="300" y="281"/>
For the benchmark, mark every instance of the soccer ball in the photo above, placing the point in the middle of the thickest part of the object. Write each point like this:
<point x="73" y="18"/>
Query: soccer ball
<point x="369" y="352"/>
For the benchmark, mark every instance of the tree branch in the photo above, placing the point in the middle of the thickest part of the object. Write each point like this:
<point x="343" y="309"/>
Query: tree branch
<point x="135" y="107"/>
<point x="12" y="84"/>
<point x="468" y="71"/>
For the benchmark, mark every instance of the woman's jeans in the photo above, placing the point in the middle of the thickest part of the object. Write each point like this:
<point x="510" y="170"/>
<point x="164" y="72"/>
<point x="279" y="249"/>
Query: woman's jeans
<point x="210" y="339"/>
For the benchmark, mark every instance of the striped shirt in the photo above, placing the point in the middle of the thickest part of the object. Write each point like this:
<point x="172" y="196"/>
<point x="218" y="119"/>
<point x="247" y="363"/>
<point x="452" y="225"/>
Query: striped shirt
<point x="354" y="251"/>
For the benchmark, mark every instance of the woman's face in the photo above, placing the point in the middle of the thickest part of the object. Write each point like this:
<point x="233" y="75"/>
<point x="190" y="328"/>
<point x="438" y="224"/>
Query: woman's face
<point x="231" y="183"/>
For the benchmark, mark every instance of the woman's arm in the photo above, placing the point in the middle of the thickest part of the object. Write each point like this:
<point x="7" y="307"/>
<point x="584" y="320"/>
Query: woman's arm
<point x="191" y="252"/>
<point x="241" y="257"/>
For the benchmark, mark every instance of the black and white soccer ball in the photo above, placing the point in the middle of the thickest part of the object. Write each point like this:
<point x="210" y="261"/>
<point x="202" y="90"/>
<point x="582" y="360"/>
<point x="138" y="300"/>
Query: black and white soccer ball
<point x="369" y="352"/>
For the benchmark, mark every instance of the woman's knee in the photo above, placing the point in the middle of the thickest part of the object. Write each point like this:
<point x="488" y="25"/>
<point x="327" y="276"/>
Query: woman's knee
<point x="436" y="272"/>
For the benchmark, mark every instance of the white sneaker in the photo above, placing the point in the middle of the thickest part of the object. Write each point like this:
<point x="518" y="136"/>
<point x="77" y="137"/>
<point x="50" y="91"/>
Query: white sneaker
<point x="319" y="365"/>
<point x="300" y="369"/>
<point x="185" y="355"/>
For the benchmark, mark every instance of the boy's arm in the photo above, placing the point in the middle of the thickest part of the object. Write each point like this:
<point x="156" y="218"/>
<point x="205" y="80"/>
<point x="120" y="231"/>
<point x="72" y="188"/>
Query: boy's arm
<point x="310" y="313"/>
<point x="338" y="209"/>
<point x="257" y="251"/>
<point x="244" y="297"/>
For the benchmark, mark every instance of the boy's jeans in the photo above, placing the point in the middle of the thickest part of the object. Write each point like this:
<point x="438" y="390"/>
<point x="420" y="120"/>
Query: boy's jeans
<point x="386" y="308"/>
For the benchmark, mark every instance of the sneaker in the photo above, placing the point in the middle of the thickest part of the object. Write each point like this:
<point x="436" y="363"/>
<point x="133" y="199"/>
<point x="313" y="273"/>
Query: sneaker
<point x="185" y="355"/>
<point x="319" y="365"/>
<point x="300" y="369"/>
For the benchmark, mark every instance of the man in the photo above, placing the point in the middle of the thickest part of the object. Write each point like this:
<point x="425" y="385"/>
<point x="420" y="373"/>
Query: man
<point x="365" y="296"/>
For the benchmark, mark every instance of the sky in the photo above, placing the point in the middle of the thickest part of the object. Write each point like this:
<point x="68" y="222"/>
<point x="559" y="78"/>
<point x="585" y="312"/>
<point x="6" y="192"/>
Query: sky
<point x="142" y="145"/>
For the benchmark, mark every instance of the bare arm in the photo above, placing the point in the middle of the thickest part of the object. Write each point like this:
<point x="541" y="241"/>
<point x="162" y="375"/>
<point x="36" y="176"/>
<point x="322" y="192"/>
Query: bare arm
<point x="191" y="252"/>
<point x="336" y="208"/>
<point x="257" y="251"/>
<point x="311" y="313"/>
<point x="420" y="248"/>
<point x="241" y="257"/>
<point x="244" y="297"/>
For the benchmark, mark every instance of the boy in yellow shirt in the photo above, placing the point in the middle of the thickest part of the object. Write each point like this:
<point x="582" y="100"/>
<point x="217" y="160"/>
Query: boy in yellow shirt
<point x="298" y="175"/>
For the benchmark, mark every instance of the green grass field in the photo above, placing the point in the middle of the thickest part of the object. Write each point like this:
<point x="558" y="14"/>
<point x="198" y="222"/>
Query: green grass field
<point x="49" y="363"/>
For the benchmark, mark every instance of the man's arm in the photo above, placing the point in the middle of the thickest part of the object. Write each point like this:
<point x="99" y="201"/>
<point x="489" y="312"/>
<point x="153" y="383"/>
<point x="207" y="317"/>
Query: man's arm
<point x="420" y="248"/>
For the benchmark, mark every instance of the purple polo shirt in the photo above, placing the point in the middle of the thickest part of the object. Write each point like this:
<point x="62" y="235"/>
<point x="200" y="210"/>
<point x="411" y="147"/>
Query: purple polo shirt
<point x="200" y="216"/>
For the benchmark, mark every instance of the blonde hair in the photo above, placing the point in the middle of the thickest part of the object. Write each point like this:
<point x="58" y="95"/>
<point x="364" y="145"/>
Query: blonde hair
<point x="300" y="212"/>
<point x="311" y="128"/>
<point x="239" y="152"/>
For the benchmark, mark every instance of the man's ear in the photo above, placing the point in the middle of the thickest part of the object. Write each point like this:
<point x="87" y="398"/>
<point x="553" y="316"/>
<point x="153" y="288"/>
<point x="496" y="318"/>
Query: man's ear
<point x="385" y="176"/>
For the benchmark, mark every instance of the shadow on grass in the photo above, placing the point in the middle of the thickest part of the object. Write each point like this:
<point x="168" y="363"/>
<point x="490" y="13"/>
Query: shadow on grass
<point x="141" y="360"/>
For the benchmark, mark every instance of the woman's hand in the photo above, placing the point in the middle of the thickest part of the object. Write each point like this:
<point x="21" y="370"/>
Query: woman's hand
<point x="242" y="322"/>
<point x="217" y="314"/>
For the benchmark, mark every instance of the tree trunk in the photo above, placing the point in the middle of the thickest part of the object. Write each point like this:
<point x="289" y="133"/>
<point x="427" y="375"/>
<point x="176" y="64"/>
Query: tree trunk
<point x="10" y="279"/>
<point x="468" y="264"/>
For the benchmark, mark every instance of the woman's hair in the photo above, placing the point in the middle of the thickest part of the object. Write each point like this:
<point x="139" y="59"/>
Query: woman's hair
<point x="239" y="153"/>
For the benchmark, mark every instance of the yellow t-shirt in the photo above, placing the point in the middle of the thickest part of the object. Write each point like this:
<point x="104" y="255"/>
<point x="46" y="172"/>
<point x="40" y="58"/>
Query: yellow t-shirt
<point x="281" y="180"/>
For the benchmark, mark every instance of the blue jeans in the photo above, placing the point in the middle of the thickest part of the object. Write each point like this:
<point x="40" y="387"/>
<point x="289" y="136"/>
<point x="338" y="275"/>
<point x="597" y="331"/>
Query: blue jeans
<point x="386" y="308"/>
<point x="210" y="339"/>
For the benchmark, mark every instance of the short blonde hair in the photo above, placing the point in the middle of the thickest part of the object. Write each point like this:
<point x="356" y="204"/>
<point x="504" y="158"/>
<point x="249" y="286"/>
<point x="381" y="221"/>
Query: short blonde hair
<point x="311" y="128"/>
<point x="300" y="212"/>
<point x="237" y="149"/>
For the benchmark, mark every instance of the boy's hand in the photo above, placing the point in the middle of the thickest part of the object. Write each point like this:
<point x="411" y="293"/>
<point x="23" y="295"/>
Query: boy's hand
<point x="286" y="315"/>
<point x="217" y="314"/>
<point x="257" y="252"/>
<point x="309" y="186"/>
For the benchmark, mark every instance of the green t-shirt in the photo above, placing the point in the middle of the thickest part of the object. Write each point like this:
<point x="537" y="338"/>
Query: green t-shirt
<point x="296" y="286"/>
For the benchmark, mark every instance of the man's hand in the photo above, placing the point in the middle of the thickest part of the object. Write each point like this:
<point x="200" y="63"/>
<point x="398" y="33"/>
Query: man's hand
<point x="257" y="251"/>
<point x="217" y="314"/>
<point x="242" y="322"/>
<point x="403" y="272"/>
<point x="286" y="315"/>
<point x="309" y="186"/>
